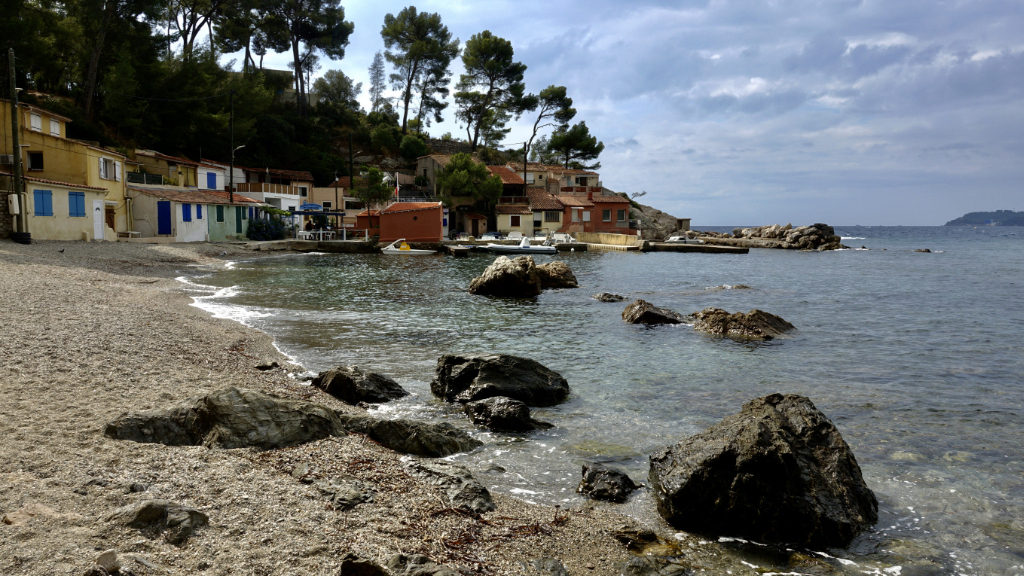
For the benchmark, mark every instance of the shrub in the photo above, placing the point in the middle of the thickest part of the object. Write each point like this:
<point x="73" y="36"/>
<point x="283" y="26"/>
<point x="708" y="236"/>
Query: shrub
<point x="266" y="229"/>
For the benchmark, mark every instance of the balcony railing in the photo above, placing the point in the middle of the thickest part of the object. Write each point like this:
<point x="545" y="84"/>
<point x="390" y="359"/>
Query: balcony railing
<point x="265" y="188"/>
<point x="140" y="178"/>
<point x="579" y="189"/>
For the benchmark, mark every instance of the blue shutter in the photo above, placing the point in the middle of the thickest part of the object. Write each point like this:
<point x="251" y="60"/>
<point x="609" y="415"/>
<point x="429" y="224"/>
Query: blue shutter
<point x="199" y="211"/>
<point x="211" y="180"/>
<point x="163" y="218"/>
<point x="43" y="202"/>
<point x="186" y="212"/>
<point x="250" y="212"/>
<point x="76" y="204"/>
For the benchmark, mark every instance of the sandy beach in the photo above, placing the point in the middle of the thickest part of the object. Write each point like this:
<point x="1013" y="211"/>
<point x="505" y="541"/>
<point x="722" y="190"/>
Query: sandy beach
<point x="92" y="331"/>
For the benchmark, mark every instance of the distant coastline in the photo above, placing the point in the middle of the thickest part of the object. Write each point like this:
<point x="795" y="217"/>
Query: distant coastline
<point x="997" y="218"/>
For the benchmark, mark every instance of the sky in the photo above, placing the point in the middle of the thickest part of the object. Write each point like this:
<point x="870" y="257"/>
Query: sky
<point x="753" y="112"/>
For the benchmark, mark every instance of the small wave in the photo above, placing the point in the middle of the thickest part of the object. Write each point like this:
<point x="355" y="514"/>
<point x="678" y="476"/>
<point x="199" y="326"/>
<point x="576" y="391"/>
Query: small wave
<point x="211" y="299"/>
<point x="853" y="237"/>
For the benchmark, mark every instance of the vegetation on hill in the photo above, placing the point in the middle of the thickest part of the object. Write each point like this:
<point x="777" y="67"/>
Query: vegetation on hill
<point x="997" y="218"/>
<point x="147" y="74"/>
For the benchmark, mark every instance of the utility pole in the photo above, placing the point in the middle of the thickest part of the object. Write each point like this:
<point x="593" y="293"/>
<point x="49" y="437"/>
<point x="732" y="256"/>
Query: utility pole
<point x="22" y="235"/>
<point x="231" y="173"/>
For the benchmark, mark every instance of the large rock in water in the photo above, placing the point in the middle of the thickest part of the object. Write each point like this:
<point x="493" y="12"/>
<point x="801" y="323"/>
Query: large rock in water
<point x="351" y="385"/>
<point x="603" y="483"/>
<point x="754" y="325"/>
<point x="231" y="418"/>
<point x="502" y="414"/>
<point x="465" y="379"/>
<point x="410" y="437"/>
<point x="777" y="472"/>
<point x="643" y="312"/>
<point x="516" y="278"/>
<point x="556" y="275"/>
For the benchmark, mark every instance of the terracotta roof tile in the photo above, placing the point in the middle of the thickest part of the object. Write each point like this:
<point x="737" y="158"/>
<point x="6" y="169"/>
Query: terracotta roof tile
<point x="165" y="157"/>
<point x="507" y="176"/>
<point x="575" y="201"/>
<point x="610" y="200"/>
<point x="190" y="196"/>
<point x="512" y="209"/>
<point x="411" y="207"/>
<point x="54" y="182"/>
<point x="554" y="168"/>
<point x="541" y="200"/>
<point x="238" y="197"/>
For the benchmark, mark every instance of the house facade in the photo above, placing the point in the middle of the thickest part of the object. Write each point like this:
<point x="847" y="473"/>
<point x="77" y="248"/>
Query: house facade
<point x="61" y="210"/>
<point x="282" y="189"/>
<point x="180" y="171"/>
<point x="177" y="214"/>
<point x="212" y="177"/>
<point x="48" y="155"/>
<point x="414" y="221"/>
<point x="514" y="218"/>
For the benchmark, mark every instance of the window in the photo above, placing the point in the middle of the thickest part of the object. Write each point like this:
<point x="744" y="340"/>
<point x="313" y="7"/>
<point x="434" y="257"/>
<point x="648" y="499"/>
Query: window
<point x="529" y="178"/>
<point x="424" y="172"/>
<point x="54" y="127"/>
<point x="586" y="215"/>
<point x="211" y="180"/>
<point x="540" y="176"/>
<point x="516" y="221"/>
<point x="606" y="215"/>
<point x="43" y="202"/>
<point x="110" y="170"/>
<point x="186" y="212"/>
<point x="35" y="160"/>
<point x="622" y="215"/>
<point x="37" y="122"/>
<point x="552" y="216"/>
<point x="220" y="213"/>
<point x="199" y="211"/>
<point x="76" y="204"/>
<point x="328" y="205"/>
<point x="243" y="213"/>
<point x="303" y="191"/>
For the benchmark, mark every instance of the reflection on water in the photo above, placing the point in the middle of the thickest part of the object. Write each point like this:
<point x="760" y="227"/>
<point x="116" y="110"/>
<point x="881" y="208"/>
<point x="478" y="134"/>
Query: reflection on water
<point x="916" y="358"/>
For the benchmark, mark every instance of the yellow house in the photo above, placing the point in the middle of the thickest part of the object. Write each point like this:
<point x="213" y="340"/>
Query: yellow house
<point x="180" y="171"/>
<point x="60" y="210"/>
<point x="47" y="154"/>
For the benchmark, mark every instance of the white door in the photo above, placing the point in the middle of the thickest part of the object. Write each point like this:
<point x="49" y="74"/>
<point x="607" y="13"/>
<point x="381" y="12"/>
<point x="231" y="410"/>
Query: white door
<point x="97" y="220"/>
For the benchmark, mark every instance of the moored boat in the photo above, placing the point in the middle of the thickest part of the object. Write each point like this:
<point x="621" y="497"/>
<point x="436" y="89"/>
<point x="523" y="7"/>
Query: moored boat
<point x="401" y="248"/>
<point x="524" y="247"/>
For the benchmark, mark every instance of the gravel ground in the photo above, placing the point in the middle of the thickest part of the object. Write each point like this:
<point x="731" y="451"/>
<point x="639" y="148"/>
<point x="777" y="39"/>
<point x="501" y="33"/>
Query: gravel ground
<point x="93" y="330"/>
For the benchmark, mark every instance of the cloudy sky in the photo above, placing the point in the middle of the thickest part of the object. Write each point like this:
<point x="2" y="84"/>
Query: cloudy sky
<point x="730" y="112"/>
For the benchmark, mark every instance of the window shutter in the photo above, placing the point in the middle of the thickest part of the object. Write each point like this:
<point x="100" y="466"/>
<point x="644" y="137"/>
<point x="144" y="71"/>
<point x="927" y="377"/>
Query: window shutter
<point x="103" y="169"/>
<point x="117" y="171"/>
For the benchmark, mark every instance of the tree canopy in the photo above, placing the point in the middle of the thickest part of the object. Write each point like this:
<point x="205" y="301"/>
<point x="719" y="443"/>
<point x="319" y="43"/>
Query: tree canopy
<point x="491" y="90"/>
<point x="464" y="177"/>
<point x="575" y="146"/>
<point x="418" y="46"/>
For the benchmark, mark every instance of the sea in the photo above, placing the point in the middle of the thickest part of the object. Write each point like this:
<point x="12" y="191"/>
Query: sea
<point x="917" y="357"/>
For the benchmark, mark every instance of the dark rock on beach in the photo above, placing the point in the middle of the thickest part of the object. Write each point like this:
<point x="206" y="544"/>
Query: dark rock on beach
<point x="465" y="379"/>
<point x="543" y="567"/>
<point x="352" y="565"/>
<point x="352" y="386"/>
<point x="462" y="489"/>
<point x="601" y="482"/>
<point x="608" y="297"/>
<point x="234" y="418"/>
<point x="411" y="437"/>
<point x="556" y="275"/>
<point x="502" y="414"/>
<point x="643" y="312"/>
<point x="516" y="278"/>
<point x="176" y="523"/>
<point x="754" y="325"/>
<point x="231" y="418"/>
<point x="777" y="472"/>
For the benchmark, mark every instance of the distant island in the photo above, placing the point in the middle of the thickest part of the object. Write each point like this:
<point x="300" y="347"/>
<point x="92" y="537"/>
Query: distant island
<point x="997" y="218"/>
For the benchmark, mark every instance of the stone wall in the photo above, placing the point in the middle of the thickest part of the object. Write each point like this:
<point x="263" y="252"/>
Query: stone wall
<point x="605" y="238"/>
<point x="448" y="146"/>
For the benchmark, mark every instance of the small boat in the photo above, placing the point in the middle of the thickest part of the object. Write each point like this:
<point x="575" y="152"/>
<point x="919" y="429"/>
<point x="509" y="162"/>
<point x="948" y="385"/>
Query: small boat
<point x="683" y="240"/>
<point x="400" y="247"/>
<point x="523" y="247"/>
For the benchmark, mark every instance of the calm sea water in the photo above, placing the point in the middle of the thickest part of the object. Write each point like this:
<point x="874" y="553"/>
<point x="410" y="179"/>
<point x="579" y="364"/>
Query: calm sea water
<point x="917" y="358"/>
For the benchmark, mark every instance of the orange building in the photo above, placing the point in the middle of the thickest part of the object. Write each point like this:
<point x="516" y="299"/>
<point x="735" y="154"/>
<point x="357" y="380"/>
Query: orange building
<point x="414" y="221"/>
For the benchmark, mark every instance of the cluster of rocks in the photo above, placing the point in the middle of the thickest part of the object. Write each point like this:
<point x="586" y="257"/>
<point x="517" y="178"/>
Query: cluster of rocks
<point x="818" y="237"/>
<point x="753" y="325"/>
<point x="521" y="277"/>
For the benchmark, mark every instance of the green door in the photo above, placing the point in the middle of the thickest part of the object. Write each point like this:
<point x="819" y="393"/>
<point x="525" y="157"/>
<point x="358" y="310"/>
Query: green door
<point x="238" y="219"/>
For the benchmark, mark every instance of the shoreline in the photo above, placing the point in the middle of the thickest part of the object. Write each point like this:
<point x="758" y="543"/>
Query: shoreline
<point x="105" y="329"/>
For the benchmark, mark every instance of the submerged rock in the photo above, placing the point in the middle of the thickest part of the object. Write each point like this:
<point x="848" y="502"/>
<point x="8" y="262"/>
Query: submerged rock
<point x="516" y="278"/>
<point x="462" y="489"/>
<point x="777" y="472"/>
<point x="643" y="312"/>
<point x="754" y="325"/>
<point x="601" y="482"/>
<point x="465" y="379"/>
<point x="608" y="297"/>
<point x="556" y="275"/>
<point x="352" y="386"/>
<point x="175" y="522"/>
<point x="502" y="414"/>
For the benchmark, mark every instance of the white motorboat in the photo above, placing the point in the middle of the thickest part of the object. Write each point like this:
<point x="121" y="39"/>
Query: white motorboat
<point x="523" y="247"/>
<point x="401" y="248"/>
<point x="683" y="240"/>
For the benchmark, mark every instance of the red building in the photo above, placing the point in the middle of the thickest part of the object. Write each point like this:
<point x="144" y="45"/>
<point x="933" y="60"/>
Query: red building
<point x="414" y="221"/>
